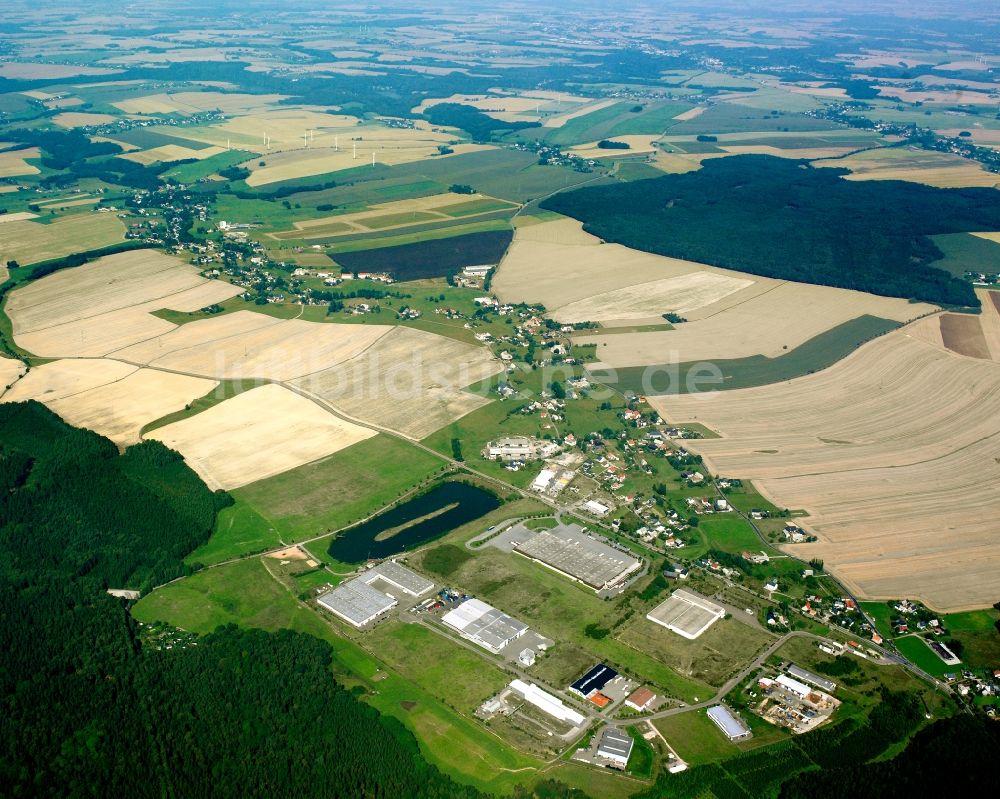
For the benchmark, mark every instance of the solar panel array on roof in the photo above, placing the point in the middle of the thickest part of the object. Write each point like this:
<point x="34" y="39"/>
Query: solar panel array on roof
<point x="594" y="680"/>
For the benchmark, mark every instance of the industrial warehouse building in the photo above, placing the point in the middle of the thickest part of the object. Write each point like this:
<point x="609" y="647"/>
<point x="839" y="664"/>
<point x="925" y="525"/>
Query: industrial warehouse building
<point x="593" y="681"/>
<point x="686" y="613"/>
<point x="568" y="550"/>
<point x="547" y="703"/>
<point x="814" y="679"/>
<point x="615" y="746"/>
<point x="484" y="625"/>
<point x="365" y="598"/>
<point x="732" y="726"/>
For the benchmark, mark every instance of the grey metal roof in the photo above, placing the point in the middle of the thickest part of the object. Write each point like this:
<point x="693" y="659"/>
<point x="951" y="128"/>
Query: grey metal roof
<point x="732" y="726"/>
<point x="356" y="601"/>
<point x="809" y="677"/>
<point x="401" y="577"/>
<point x="570" y="550"/>
<point x="615" y="742"/>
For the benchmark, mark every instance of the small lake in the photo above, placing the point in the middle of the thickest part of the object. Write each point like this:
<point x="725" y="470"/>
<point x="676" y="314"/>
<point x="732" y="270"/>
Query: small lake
<point x="446" y="507"/>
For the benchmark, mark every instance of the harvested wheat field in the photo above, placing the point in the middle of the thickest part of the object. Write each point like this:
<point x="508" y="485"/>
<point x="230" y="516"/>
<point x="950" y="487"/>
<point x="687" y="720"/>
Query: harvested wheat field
<point x="81" y="119"/>
<point x="188" y="103"/>
<point x="409" y="381"/>
<point x="261" y="433"/>
<point x="17" y="216"/>
<point x="111" y="398"/>
<point x="731" y="314"/>
<point x="106" y="304"/>
<point x="10" y="371"/>
<point x="944" y="170"/>
<point x="390" y="146"/>
<point x="249" y="345"/>
<point x="30" y="242"/>
<point x="889" y="452"/>
<point x="13" y="163"/>
<point x="681" y="294"/>
<point x="172" y="152"/>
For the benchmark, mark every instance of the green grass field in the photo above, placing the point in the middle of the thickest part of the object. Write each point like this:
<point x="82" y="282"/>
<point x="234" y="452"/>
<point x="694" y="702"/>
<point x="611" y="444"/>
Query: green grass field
<point x="458" y="677"/>
<point x="964" y="252"/>
<point x="244" y="593"/>
<point x="239" y="530"/>
<point x="980" y="637"/>
<point x="696" y="739"/>
<point x="189" y="173"/>
<point x="341" y="489"/>
<point x="561" y="609"/>
<point x="914" y="649"/>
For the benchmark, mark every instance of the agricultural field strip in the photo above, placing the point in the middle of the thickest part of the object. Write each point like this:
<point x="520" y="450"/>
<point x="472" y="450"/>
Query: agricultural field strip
<point x="894" y="453"/>
<point x="109" y="397"/>
<point x="113" y="283"/>
<point x="384" y="216"/>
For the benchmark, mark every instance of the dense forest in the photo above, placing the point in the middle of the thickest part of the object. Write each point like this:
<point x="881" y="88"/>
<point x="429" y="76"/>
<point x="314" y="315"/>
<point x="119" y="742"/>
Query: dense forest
<point x="86" y="710"/>
<point x="784" y="219"/>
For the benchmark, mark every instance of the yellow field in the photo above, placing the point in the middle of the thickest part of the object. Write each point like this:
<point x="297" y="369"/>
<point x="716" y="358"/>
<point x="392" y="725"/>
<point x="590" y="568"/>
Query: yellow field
<point x="29" y="242"/>
<point x="14" y="163"/>
<point x="252" y="345"/>
<point x="550" y="108"/>
<point x="171" y="152"/>
<point x="106" y="305"/>
<point x="195" y="102"/>
<point x="888" y="451"/>
<point x="108" y="397"/>
<point x="258" y="434"/>
<point x="17" y="216"/>
<point x="388" y="146"/>
<point x="579" y="279"/>
<point x="409" y="381"/>
<point x="79" y="119"/>
<point x="944" y="170"/>
<point x="398" y="213"/>
<point x="10" y="371"/>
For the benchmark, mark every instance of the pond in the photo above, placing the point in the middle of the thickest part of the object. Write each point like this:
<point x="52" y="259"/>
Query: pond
<point x="439" y="511"/>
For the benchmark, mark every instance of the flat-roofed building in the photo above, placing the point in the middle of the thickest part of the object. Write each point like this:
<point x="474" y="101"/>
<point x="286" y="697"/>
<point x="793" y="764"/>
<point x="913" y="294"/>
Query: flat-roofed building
<point x="357" y="602"/>
<point x="686" y="613"/>
<point x="547" y="703"/>
<point x="615" y="746"/>
<point x="484" y="625"/>
<point x="813" y="679"/>
<point x="399" y="577"/>
<point x="731" y="725"/>
<point x="800" y="689"/>
<point x="593" y="681"/>
<point x="569" y="550"/>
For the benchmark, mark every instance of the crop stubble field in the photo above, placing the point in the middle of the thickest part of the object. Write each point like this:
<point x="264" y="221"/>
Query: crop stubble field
<point x="730" y="314"/>
<point x="255" y="435"/>
<point x="888" y="452"/>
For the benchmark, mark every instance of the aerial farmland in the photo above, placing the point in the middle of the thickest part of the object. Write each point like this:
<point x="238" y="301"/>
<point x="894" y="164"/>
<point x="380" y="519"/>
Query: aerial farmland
<point x="499" y="400"/>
